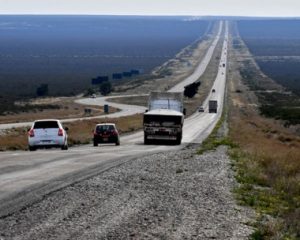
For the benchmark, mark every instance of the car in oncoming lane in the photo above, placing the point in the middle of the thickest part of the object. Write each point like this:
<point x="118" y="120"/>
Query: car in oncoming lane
<point x="47" y="133"/>
<point x="106" y="133"/>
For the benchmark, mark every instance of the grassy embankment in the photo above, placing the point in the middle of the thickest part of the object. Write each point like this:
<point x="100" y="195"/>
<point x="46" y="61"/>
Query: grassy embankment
<point x="267" y="161"/>
<point x="265" y="154"/>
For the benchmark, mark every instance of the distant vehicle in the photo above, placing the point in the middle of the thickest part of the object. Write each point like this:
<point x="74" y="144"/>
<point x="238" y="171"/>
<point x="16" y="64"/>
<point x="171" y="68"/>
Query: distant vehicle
<point x="106" y="133"/>
<point x="212" y="106"/>
<point x="201" y="109"/>
<point x="165" y="117"/>
<point x="214" y="90"/>
<point x="93" y="96"/>
<point x="47" y="133"/>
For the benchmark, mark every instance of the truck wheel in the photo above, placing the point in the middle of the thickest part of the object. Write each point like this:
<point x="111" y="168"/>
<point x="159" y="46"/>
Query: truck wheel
<point x="178" y="140"/>
<point x="146" y="141"/>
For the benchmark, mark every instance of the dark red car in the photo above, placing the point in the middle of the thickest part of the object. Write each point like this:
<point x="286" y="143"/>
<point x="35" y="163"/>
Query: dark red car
<point x="106" y="133"/>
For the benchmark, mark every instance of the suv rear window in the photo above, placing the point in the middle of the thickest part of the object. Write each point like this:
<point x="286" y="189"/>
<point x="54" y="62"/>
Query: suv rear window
<point x="103" y="128"/>
<point x="45" y="124"/>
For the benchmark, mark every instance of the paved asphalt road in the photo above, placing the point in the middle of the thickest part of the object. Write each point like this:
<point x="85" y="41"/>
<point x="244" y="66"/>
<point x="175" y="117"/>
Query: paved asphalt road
<point x="27" y="176"/>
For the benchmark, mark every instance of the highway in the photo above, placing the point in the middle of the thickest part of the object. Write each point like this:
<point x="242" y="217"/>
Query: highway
<point x="26" y="177"/>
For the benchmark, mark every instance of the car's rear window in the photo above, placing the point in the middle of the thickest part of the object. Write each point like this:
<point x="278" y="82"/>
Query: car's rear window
<point x="45" y="124"/>
<point x="102" y="128"/>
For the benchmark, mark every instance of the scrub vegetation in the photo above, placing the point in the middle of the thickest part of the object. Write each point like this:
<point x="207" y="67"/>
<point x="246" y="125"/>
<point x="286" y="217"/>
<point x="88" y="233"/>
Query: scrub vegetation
<point x="266" y="157"/>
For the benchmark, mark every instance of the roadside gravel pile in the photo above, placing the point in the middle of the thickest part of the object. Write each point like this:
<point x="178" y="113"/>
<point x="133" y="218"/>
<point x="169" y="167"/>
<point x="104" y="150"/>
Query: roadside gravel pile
<point x="174" y="195"/>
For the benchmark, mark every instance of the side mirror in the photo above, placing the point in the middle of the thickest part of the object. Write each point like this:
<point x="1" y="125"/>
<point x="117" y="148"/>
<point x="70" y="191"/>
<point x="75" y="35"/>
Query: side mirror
<point x="66" y="128"/>
<point x="184" y="111"/>
<point x="146" y="110"/>
<point x="28" y="129"/>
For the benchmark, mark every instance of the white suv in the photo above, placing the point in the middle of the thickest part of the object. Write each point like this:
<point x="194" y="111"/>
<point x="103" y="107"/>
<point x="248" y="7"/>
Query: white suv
<point x="47" y="133"/>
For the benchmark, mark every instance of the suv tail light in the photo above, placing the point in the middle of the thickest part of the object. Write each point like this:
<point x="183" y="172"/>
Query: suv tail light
<point x="60" y="132"/>
<point x="31" y="133"/>
<point x="114" y="133"/>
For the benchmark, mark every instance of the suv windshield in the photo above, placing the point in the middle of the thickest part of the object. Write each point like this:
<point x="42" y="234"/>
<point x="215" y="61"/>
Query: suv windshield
<point x="45" y="124"/>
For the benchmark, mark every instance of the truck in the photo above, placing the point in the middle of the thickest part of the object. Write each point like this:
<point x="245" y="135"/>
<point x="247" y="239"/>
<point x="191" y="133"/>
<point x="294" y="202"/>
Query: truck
<point x="163" y="121"/>
<point x="212" y="106"/>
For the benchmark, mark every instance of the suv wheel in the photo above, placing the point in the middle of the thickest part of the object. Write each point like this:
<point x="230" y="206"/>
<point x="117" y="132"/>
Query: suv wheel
<point x="32" y="148"/>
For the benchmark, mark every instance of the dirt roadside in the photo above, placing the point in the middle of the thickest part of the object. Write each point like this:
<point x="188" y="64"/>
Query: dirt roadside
<point x="174" y="195"/>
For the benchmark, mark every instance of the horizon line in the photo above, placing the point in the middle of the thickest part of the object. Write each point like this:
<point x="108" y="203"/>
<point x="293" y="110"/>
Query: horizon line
<point x="141" y="15"/>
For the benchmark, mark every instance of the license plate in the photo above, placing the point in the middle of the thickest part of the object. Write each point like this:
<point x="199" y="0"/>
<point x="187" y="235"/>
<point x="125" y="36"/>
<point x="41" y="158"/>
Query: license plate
<point x="105" y="139"/>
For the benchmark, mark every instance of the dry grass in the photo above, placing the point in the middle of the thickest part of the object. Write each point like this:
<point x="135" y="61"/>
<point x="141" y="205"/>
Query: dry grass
<point x="80" y="132"/>
<point x="267" y="162"/>
<point x="14" y="139"/>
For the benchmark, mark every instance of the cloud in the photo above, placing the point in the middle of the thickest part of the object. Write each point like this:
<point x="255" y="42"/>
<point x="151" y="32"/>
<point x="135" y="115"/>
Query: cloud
<point x="154" y="7"/>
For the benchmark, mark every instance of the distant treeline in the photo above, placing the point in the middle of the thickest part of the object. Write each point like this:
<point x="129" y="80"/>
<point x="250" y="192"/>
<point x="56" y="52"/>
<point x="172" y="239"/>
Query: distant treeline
<point x="285" y="72"/>
<point x="279" y="39"/>
<point x="65" y="52"/>
<point x="272" y="29"/>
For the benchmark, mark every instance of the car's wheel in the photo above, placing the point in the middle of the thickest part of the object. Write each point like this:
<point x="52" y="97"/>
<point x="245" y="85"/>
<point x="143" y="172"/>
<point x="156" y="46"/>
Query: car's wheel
<point x="64" y="147"/>
<point x="95" y="144"/>
<point x="32" y="148"/>
<point x="118" y="143"/>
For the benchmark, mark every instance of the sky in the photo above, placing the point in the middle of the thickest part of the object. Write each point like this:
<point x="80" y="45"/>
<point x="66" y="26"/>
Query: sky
<point x="268" y="8"/>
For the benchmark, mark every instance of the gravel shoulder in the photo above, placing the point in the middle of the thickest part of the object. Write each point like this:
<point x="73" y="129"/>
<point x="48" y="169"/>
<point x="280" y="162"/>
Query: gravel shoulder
<point x="174" y="195"/>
